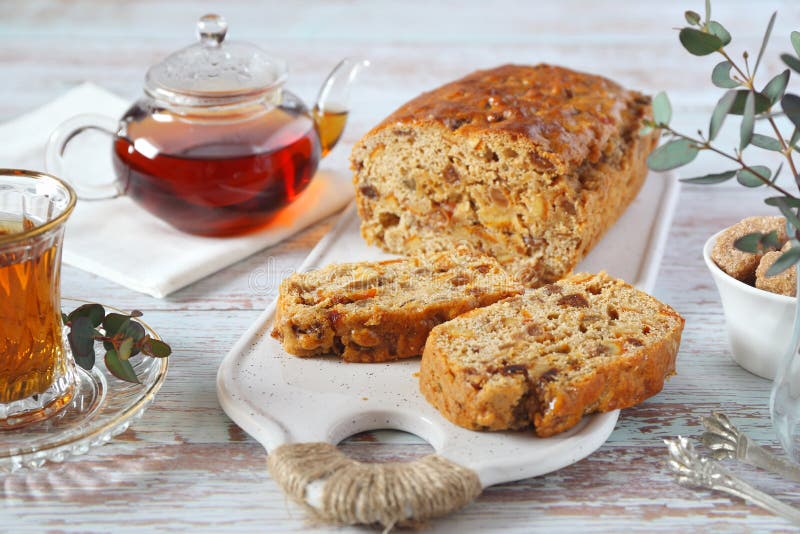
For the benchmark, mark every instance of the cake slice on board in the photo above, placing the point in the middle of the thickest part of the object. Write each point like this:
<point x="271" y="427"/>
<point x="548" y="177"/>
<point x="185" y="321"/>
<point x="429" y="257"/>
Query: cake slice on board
<point x="380" y="311"/>
<point x="589" y="343"/>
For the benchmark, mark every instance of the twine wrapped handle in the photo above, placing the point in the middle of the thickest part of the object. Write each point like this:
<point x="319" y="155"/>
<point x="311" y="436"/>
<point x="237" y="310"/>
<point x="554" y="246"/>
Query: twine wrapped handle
<point x="353" y="492"/>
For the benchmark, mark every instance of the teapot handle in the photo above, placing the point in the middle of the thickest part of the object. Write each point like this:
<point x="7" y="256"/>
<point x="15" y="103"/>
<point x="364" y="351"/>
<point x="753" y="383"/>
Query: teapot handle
<point x="57" y="144"/>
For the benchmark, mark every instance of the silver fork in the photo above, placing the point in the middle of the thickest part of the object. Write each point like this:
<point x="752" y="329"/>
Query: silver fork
<point x="728" y="442"/>
<point x="693" y="470"/>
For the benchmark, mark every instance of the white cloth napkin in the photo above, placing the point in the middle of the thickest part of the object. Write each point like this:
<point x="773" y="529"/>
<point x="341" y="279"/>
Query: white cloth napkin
<point x="101" y="235"/>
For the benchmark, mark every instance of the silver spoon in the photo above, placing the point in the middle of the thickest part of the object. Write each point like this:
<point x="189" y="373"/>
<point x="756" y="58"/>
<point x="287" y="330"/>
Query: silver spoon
<point x="693" y="470"/>
<point x="728" y="442"/>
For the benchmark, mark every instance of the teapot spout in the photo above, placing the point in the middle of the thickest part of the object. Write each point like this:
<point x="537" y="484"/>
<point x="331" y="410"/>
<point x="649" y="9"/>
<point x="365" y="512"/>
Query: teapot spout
<point x="332" y="106"/>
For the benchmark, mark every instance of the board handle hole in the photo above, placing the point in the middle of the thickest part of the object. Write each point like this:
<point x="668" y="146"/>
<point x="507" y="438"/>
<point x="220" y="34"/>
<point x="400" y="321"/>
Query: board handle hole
<point x="385" y="445"/>
<point x="379" y="436"/>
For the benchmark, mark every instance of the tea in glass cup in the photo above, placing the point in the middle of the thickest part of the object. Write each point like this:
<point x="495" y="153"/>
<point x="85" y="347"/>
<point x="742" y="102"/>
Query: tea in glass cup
<point x="37" y="375"/>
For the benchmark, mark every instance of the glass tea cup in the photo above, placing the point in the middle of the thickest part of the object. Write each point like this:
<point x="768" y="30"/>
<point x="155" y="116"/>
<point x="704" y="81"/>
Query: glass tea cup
<point x="37" y="375"/>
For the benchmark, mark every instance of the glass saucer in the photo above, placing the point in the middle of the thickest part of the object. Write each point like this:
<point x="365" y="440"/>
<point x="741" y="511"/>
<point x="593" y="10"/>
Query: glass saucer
<point x="102" y="408"/>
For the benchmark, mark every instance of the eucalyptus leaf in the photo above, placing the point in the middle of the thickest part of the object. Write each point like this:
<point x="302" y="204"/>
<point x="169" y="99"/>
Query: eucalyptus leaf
<point x="721" y="76"/>
<point x="125" y="348"/>
<point x="764" y="42"/>
<point x="710" y="179"/>
<point x="766" y="142"/>
<point x="120" y="368"/>
<point x="777" y="173"/>
<point x="645" y="130"/>
<point x="115" y="322"/>
<point x="699" y="43"/>
<point x="794" y="37"/>
<point x="754" y="178"/>
<point x="94" y="312"/>
<point x="795" y="136"/>
<point x="769" y="241"/>
<point x="787" y="201"/>
<point x="135" y="331"/>
<point x="791" y="106"/>
<point x="788" y="212"/>
<point x="719" y="30"/>
<point x="762" y="102"/>
<point x="721" y="110"/>
<point x="662" y="110"/>
<point x="81" y="342"/>
<point x="786" y="260"/>
<point x="791" y="61"/>
<point x="749" y="243"/>
<point x="692" y="17"/>
<point x="122" y="338"/>
<point x="775" y="88"/>
<point x="792" y="234"/>
<point x="672" y="155"/>
<point x="157" y="348"/>
<point x="757" y="242"/>
<point x="748" y="121"/>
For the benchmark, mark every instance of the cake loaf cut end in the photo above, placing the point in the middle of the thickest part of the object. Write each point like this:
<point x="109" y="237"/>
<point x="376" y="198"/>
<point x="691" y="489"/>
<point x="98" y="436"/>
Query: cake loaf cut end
<point x="528" y="164"/>
<point x="380" y="311"/>
<point x="590" y="343"/>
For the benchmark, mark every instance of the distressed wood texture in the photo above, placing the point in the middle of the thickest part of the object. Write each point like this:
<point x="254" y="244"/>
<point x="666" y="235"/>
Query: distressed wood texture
<point x="186" y="466"/>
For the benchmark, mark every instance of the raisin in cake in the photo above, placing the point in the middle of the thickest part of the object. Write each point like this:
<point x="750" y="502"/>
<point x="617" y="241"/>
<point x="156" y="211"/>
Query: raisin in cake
<point x="379" y="311"/>
<point x="589" y="343"/>
<point x="529" y="164"/>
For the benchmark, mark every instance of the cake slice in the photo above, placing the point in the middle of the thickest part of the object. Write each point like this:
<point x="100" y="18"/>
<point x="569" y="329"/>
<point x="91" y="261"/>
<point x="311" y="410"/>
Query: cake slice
<point x="589" y="343"/>
<point x="530" y="164"/>
<point x="380" y="311"/>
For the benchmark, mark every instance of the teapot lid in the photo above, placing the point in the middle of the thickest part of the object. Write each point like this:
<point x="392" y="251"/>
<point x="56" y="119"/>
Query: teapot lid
<point x="212" y="72"/>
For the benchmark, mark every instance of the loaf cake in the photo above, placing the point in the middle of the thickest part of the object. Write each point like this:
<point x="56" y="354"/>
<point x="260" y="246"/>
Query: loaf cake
<point x="742" y="265"/>
<point x="379" y="311"/>
<point x="528" y="164"/>
<point x="589" y="343"/>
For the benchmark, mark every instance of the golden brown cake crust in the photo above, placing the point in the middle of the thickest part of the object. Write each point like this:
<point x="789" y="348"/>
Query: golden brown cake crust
<point x="381" y="311"/>
<point x="568" y="115"/>
<point x="589" y="343"/>
<point x="528" y="164"/>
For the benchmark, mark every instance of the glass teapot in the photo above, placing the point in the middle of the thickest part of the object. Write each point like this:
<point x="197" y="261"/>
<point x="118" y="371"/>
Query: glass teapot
<point x="216" y="146"/>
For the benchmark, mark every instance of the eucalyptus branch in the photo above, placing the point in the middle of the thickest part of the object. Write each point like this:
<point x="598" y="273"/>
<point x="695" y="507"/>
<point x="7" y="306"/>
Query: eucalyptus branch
<point x="770" y="115"/>
<point x="738" y="159"/>
<point x="745" y="78"/>
<point x="122" y="336"/>
<point x="750" y="83"/>
<point x="702" y="144"/>
<point x="703" y="37"/>
<point x="787" y="150"/>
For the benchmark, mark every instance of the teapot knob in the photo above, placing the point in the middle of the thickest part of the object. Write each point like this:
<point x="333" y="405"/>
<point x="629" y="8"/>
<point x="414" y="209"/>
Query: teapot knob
<point x="211" y="29"/>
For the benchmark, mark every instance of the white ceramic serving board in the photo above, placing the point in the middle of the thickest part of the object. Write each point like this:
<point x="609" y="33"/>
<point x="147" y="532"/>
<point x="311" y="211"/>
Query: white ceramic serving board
<point x="278" y="398"/>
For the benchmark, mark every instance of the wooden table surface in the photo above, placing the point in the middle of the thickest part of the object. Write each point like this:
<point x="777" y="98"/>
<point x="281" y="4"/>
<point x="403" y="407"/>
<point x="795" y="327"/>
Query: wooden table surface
<point x="186" y="466"/>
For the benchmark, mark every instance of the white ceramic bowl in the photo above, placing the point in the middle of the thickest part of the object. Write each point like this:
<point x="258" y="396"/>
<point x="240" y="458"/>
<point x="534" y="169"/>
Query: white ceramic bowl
<point x="759" y="322"/>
